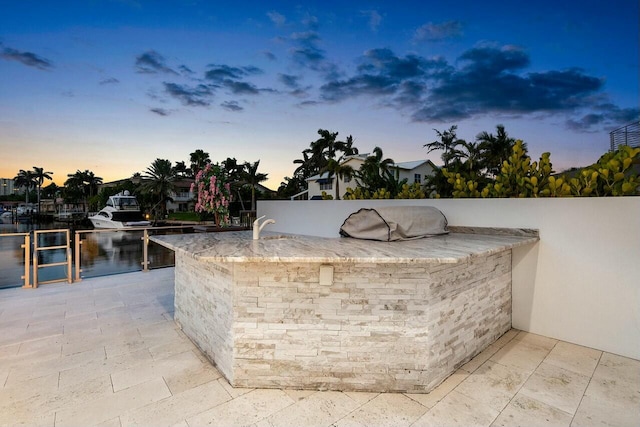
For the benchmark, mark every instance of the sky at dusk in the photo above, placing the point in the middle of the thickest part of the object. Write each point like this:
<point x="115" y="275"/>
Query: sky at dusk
<point x="111" y="85"/>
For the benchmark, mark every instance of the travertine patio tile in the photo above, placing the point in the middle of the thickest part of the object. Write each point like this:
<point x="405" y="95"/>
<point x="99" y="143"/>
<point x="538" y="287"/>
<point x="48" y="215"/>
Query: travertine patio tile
<point x="131" y="345"/>
<point x="506" y="338"/>
<point x="36" y="349"/>
<point x="134" y="311"/>
<point x="160" y="349"/>
<point x="526" y="412"/>
<point x="104" y="367"/>
<point x="619" y="368"/>
<point x="114" y="422"/>
<point x="146" y="371"/>
<point x="245" y="410"/>
<point x="361" y="397"/>
<point x="456" y="409"/>
<point x="319" y="409"/>
<point x="611" y="399"/>
<point x="536" y="340"/>
<point x="233" y="391"/>
<point x="429" y="400"/>
<point x="177" y="408"/>
<point x="599" y="412"/>
<point x="521" y="354"/>
<point x="53" y="366"/>
<point x="493" y="384"/>
<point x="480" y="358"/>
<point x="89" y="326"/>
<point x="556" y="387"/>
<point x="16" y="402"/>
<point x="191" y="377"/>
<point x="392" y="410"/>
<point x="105" y="408"/>
<point x="575" y="358"/>
<point x="299" y="394"/>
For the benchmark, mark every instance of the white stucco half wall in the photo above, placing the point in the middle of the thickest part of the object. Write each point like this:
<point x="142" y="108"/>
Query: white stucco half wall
<point x="580" y="283"/>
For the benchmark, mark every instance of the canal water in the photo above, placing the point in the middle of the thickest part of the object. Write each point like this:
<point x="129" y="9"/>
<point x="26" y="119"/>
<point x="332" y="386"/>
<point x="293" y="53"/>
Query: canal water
<point x="102" y="253"/>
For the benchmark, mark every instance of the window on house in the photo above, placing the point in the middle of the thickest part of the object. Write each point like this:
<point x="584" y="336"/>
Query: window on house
<point x="346" y="179"/>
<point x="417" y="178"/>
<point x="326" y="185"/>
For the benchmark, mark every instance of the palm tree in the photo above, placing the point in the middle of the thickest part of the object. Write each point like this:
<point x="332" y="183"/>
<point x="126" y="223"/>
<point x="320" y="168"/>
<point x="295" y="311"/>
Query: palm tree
<point x="25" y="179"/>
<point x="334" y="167"/>
<point x="198" y="159"/>
<point x="235" y="173"/>
<point x="39" y="175"/>
<point x="160" y="182"/>
<point x="473" y="156"/>
<point x="448" y="141"/>
<point x="371" y="174"/>
<point x="252" y="178"/>
<point x="496" y="148"/>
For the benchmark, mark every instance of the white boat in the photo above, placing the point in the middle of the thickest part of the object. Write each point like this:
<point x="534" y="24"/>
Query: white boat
<point x="122" y="211"/>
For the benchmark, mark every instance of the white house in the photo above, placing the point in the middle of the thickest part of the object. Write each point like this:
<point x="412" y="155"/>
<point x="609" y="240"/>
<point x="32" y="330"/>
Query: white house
<point x="415" y="171"/>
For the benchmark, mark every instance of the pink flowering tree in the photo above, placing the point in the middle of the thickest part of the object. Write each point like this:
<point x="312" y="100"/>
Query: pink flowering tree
<point x="213" y="193"/>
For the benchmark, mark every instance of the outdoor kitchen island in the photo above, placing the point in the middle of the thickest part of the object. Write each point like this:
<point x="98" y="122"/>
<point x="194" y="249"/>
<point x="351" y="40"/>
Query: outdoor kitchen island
<point x="293" y="311"/>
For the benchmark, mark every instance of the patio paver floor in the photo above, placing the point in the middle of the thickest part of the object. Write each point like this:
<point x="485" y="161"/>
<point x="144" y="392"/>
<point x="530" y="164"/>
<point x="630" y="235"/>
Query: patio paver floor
<point x="106" y="352"/>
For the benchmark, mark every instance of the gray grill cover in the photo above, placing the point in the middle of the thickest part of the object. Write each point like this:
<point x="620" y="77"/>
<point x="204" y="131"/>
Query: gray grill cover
<point x="395" y="223"/>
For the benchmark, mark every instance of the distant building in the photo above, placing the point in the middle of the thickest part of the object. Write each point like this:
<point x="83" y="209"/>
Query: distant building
<point x="7" y="187"/>
<point x="415" y="172"/>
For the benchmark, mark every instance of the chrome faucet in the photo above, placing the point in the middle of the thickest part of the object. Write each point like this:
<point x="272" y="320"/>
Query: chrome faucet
<point x="257" y="227"/>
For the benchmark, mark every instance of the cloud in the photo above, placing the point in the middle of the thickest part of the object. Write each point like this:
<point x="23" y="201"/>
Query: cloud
<point x="269" y="55"/>
<point x="231" y="106"/>
<point x="603" y="115"/>
<point x="486" y="79"/>
<point x="438" y="32"/>
<point x="151" y="62"/>
<point x="289" y="80"/>
<point x="159" y="111"/>
<point x="278" y="19"/>
<point x="241" y="88"/>
<point x="29" y="59"/>
<point x="219" y="73"/>
<point x="293" y="82"/>
<point x="307" y="53"/>
<point x="192" y="96"/>
<point x="375" y="19"/>
<point x="381" y="72"/>
<point x="109" y="80"/>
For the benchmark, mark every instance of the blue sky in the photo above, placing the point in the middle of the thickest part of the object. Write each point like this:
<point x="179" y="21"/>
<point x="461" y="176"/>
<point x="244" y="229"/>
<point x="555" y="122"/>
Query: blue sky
<point x="110" y="86"/>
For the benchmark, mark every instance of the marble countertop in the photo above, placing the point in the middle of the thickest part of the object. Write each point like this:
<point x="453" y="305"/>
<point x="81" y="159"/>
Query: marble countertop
<point x="238" y="246"/>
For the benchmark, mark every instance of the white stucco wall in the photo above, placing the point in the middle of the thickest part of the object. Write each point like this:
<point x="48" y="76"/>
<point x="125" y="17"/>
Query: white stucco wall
<point x="580" y="283"/>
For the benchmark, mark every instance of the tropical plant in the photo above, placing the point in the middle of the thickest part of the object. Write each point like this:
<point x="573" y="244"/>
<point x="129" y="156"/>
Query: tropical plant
<point x="39" y="175"/>
<point x="341" y="171"/>
<point x="25" y="179"/>
<point x="84" y="185"/>
<point x="198" y="159"/>
<point x="371" y="174"/>
<point x="213" y="193"/>
<point x="495" y="149"/>
<point x="519" y="177"/>
<point x="160" y="183"/>
<point x="447" y="142"/>
<point x="252" y="178"/>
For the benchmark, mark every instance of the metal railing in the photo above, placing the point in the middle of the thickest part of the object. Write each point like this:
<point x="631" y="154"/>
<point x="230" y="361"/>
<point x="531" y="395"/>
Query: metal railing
<point x="27" y="256"/>
<point x="46" y="242"/>
<point x="38" y="249"/>
<point x="145" y="244"/>
<point x="625" y="135"/>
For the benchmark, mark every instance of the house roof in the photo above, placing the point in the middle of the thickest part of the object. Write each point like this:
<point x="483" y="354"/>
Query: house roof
<point x="413" y="164"/>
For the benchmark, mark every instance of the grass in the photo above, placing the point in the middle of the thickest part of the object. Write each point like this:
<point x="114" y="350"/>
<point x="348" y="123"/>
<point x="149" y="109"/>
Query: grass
<point x="184" y="216"/>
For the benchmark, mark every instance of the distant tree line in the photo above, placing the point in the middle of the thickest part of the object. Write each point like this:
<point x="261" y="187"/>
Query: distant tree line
<point x="153" y="187"/>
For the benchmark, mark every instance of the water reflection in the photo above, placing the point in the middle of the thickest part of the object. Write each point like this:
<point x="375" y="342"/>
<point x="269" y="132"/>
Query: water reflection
<point x="102" y="253"/>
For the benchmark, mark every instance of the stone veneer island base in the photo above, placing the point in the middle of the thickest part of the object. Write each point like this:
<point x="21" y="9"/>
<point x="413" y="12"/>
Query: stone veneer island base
<point x="342" y="314"/>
